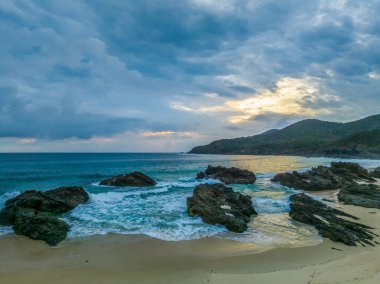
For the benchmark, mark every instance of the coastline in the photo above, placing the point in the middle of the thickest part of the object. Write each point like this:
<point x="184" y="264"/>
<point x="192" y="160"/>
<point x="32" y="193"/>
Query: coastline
<point x="140" y="259"/>
<point x="365" y="157"/>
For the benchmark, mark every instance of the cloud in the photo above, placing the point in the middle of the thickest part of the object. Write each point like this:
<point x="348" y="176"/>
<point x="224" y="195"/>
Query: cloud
<point x="290" y="97"/>
<point x="169" y="134"/>
<point x="94" y="70"/>
<point x="23" y="120"/>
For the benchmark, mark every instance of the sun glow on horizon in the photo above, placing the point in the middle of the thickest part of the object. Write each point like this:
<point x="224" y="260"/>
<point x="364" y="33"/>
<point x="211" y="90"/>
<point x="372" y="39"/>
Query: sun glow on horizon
<point x="291" y="96"/>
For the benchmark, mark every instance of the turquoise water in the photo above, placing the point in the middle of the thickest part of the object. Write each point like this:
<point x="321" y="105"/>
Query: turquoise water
<point x="159" y="211"/>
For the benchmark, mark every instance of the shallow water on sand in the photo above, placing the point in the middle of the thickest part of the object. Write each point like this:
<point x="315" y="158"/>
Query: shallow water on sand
<point x="160" y="211"/>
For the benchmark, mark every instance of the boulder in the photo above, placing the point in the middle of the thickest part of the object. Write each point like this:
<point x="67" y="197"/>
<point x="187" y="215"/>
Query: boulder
<point x="375" y="173"/>
<point x="41" y="226"/>
<point x="218" y="204"/>
<point x="131" y="179"/>
<point x="33" y="213"/>
<point x="365" y="195"/>
<point x="228" y="175"/>
<point x="326" y="220"/>
<point x="55" y="201"/>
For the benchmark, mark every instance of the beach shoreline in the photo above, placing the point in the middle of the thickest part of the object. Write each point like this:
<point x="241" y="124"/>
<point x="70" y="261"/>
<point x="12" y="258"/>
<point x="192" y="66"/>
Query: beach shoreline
<point x="140" y="259"/>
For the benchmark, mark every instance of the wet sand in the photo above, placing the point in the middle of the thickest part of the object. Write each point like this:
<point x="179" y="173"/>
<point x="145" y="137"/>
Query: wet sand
<point x="139" y="259"/>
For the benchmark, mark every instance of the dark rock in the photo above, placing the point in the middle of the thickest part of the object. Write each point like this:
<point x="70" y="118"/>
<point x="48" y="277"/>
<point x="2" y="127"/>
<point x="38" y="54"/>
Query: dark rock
<point x="375" y="173"/>
<point x="71" y="196"/>
<point x="41" y="226"/>
<point x="365" y="195"/>
<point x="218" y="204"/>
<point x="228" y="175"/>
<point x="8" y="215"/>
<point x="316" y="179"/>
<point x="351" y="171"/>
<point x="326" y="220"/>
<point x="200" y="175"/>
<point x="55" y="201"/>
<point x="324" y="178"/>
<point x="131" y="179"/>
<point x="32" y="213"/>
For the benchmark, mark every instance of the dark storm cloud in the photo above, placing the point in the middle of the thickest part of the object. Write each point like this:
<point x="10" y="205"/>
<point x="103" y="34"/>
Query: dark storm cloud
<point x="17" y="119"/>
<point x="98" y="68"/>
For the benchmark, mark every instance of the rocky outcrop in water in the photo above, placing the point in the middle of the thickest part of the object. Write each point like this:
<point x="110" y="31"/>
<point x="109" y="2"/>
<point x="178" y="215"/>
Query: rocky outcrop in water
<point x="131" y="179"/>
<point x="33" y="213"/>
<point x="375" y="173"/>
<point x="325" y="178"/>
<point x="326" y="220"/>
<point x="351" y="171"/>
<point x="340" y="176"/>
<point x="218" y="204"/>
<point x="365" y="195"/>
<point x="228" y="175"/>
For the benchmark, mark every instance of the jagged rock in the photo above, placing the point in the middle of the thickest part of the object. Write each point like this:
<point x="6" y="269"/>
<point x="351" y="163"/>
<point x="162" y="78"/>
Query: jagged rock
<point x="320" y="178"/>
<point x="324" y="178"/>
<point x="41" y="226"/>
<point x="326" y="220"/>
<point x="375" y="173"/>
<point x="218" y="204"/>
<point x="28" y="211"/>
<point x="351" y="171"/>
<point x="228" y="175"/>
<point x="131" y="179"/>
<point x="365" y="195"/>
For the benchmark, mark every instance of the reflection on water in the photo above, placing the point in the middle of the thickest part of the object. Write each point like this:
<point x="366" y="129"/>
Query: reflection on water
<point x="277" y="164"/>
<point x="276" y="230"/>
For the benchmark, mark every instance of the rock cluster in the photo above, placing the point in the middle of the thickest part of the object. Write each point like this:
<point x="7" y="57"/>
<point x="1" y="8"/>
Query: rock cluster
<point x="33" y="213"/>
<point x="228" y="175"/>
<point x="219" y="204"/>
<point x="131" y="179"/>
<point x="325" y="178"/>
<point x="326" y="220"/>
<point x="340" y="176"/>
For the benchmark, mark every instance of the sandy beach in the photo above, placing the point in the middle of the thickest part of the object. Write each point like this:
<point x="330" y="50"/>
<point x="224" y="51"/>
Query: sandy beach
<point x="139" y="259"/>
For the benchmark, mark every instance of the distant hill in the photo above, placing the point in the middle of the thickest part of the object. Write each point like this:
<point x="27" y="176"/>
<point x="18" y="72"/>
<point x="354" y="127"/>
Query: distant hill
<point x="310" y="137"/>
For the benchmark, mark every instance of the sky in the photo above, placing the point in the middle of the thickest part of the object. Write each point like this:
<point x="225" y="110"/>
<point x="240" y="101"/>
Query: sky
<point x="165" y="76"/>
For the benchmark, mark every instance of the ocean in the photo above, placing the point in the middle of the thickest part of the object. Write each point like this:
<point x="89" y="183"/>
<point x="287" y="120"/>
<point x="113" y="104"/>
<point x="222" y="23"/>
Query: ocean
<point x="160" y="211"/>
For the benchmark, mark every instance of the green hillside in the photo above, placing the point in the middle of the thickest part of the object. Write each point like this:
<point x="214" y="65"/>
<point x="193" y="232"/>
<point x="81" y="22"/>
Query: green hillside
<point x="310" y="137"/>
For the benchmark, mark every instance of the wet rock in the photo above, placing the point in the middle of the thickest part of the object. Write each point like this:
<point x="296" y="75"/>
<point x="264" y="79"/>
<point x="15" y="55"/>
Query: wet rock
<point x="33" y="213"/>
<point x="55" y="201"/>
<point x="71" y="196"/>
<point x="320" y="178"/>
<point x="327" y="221"/>
<point x="218" y="204"/>
<point x="41" y="226"/>
<point x="365" y="195"/>
<point x="228" y="175"/>
<point x="325" y="178"/>
<point x="375" y="173"/>
<point x="131" y="179"/>
<point x="351" y="171"/>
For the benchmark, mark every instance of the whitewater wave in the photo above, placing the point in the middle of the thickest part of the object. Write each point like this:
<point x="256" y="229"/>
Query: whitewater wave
<point x="8" y="195"/>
